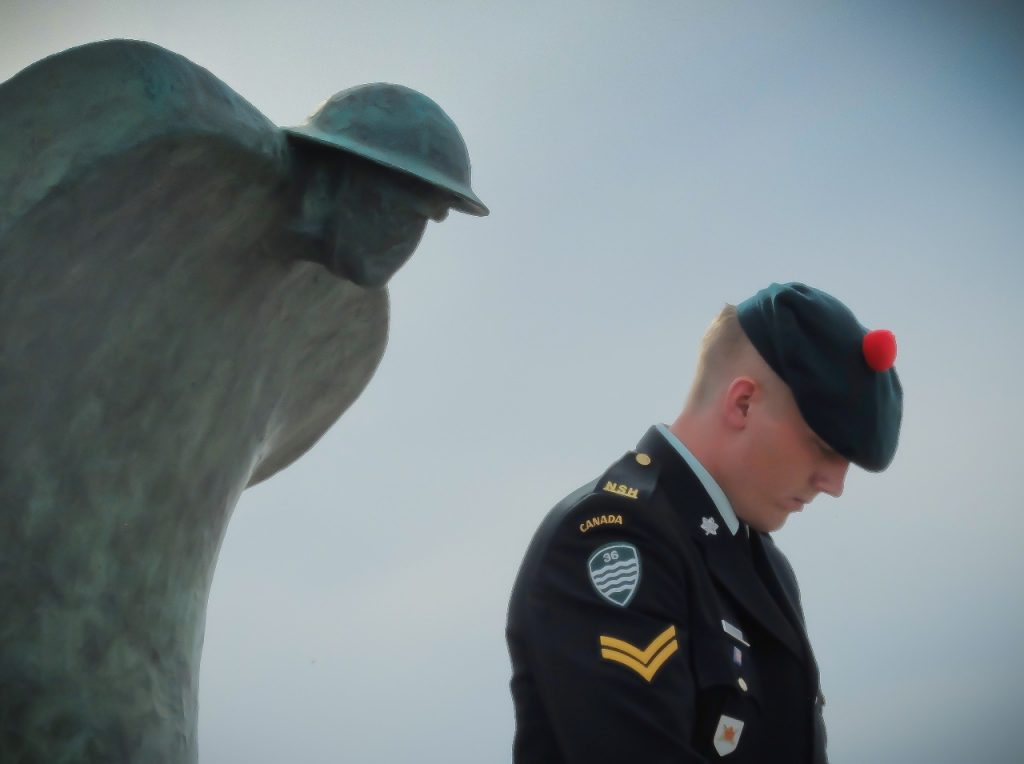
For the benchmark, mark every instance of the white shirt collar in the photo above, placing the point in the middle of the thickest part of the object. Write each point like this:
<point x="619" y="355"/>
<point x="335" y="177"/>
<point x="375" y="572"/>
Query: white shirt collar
<point x="717" y="495"/>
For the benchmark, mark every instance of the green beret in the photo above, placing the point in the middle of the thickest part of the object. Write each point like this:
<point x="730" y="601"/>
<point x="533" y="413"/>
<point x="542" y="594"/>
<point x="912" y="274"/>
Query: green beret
<point x="841" y="374"/>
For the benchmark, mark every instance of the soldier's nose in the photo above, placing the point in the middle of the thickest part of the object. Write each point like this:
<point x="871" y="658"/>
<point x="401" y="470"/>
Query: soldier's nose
<point x="831" y="478"/>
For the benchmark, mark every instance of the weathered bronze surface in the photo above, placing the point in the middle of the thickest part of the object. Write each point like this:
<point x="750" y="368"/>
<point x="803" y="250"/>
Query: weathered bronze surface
<point x="189" y="298"/>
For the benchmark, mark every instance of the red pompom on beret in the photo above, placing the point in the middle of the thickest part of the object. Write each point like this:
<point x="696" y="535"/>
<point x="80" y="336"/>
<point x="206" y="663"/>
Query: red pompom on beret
<point x="879" y="348"/>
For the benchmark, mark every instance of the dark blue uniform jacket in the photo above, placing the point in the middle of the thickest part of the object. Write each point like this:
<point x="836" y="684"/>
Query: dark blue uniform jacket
<point x="641" y="630"/>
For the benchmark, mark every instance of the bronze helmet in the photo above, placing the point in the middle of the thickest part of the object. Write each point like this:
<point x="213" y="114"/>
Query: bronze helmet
<point x="399" y="128"/>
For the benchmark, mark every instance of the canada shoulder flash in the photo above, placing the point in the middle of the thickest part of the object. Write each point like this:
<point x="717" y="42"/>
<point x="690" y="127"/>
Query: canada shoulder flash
<point x="598" y="520"/>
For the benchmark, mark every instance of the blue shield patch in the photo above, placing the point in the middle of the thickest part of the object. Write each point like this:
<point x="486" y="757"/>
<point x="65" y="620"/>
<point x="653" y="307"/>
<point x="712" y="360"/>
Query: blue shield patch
<point x="615" y="572"/>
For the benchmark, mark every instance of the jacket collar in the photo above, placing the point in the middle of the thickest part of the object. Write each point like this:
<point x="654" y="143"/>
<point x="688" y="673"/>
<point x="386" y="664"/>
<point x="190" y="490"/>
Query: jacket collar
<point x="724" y="553"/>
<point x="710" y="485"/>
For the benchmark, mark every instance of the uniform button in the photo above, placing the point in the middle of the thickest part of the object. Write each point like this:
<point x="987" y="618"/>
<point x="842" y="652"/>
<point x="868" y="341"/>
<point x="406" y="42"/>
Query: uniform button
<point x="743" y="684"/>
<point x="643" y="460"/>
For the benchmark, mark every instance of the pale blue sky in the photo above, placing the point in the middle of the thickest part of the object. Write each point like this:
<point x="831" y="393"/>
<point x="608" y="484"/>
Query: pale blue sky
<point x="644" y="163"/>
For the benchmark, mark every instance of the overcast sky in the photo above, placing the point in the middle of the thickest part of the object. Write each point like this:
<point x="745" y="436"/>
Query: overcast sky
<point x="644" y="163"/>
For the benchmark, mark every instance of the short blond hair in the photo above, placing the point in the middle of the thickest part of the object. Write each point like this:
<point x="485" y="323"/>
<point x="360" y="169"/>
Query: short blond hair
<point x="722" y="350"/>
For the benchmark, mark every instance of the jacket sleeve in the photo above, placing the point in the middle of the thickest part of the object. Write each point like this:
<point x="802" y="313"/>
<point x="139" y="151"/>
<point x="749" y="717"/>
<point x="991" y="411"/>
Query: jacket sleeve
<point x="609" y="650"/>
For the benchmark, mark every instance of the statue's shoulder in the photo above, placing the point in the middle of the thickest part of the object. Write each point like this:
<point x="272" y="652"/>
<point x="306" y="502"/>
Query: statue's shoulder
<point x="65" y="115"/>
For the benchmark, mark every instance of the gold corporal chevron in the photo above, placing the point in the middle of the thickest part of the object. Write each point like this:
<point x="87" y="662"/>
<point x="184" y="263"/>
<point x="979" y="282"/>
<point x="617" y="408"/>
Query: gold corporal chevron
<point x="645" y="662"/>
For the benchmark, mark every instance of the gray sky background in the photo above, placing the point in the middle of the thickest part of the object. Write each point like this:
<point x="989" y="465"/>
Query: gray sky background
<point x="645" y="163"/>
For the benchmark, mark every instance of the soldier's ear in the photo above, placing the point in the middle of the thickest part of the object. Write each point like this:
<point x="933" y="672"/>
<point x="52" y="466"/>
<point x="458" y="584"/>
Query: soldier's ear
<point x="735" y="404"/>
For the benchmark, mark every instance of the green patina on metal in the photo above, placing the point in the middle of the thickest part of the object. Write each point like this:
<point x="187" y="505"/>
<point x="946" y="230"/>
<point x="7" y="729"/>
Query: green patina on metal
<point x="189" y="298"/>
<point x="374" y="122"/>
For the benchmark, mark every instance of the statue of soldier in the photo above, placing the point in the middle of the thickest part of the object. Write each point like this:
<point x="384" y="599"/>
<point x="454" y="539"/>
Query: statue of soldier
<point x="189" y="298"/>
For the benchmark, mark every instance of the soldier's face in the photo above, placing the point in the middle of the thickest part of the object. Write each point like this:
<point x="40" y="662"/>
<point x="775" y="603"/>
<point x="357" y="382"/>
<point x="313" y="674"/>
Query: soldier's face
<point x="783" y="465"/>
<point x="379" y="224"/>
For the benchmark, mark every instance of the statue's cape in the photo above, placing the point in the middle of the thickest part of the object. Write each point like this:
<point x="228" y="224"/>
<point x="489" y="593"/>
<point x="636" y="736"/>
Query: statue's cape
<point x="71" y="112"/>
<point x="147" y="299"/>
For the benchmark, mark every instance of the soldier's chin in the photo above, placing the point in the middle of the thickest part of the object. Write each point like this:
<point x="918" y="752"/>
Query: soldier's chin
<point x="775" y="523"/>
<point x="768" y="524"/>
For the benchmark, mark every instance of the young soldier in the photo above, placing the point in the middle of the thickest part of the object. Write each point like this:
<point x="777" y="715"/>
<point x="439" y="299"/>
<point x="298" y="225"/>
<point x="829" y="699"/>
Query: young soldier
<point x="653" y="618"/>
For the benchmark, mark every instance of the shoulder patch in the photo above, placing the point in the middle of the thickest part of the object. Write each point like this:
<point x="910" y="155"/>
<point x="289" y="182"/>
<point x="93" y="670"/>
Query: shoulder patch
<point x="614" y="571"/>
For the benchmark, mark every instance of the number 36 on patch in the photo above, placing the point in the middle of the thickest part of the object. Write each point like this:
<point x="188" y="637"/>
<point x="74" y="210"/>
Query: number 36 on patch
<point x="615" y="572"/>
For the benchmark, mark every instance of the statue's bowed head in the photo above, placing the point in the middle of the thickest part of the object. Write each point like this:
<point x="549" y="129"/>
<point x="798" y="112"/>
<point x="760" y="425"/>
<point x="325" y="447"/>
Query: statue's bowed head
<point x="372" y="166"/>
